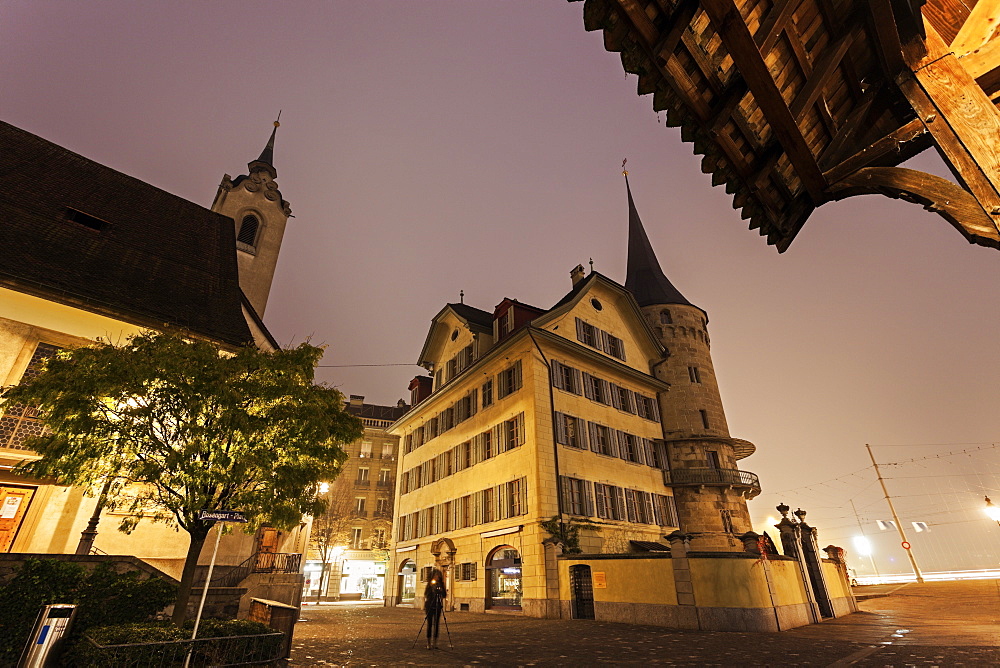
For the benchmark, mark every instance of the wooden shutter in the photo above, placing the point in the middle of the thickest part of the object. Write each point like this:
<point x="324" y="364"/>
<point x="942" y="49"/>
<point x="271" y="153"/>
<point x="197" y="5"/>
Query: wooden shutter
<point x="518" y="380"/>
<point x="602" y="510"/>
<point x="565" y="494"/>
<point x="588" y="389"/>
<point x="588" y="499"/>
<point x="604" y="341"/>
<point x="556" y="374"/>
<point x="594" y="439"/>
<point x="579" y="331"/>
<point x="519" y="428"/>
<point x="561" y="428"/>
<point x="613" y="442"/>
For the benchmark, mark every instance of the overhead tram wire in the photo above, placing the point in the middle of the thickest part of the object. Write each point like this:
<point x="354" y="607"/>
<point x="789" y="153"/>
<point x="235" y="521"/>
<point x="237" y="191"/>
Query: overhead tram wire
<point x="349" y="366"/>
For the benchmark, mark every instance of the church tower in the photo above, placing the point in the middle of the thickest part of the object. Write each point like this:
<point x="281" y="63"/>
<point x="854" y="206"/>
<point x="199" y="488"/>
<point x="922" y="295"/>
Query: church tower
<point x="254" y="202"/>
<point x="709" y="490"/>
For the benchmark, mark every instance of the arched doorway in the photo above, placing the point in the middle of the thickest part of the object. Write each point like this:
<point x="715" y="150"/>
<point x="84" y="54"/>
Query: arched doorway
<point x="504" y="582"/>
<point x="407" y="582"/>
<point x="582" y="589"/>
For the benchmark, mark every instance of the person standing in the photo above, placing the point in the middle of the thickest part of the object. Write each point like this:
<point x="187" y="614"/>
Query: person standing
<point x="434" y="595"/>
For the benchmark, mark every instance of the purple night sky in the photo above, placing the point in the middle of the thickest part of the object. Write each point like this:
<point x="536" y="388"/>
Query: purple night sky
<point x="433" y="147"/>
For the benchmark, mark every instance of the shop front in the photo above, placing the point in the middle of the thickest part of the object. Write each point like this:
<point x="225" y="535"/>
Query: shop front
<point x="351" y="576"/>
<point x="504" y="579"/>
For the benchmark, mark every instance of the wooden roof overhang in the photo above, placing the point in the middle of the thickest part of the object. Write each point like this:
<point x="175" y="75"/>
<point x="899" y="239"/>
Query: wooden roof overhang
<point x="795" y="103"/>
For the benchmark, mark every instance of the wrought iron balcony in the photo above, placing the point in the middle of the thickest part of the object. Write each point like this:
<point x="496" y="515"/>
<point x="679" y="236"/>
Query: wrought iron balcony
<point x="742" y="480"/>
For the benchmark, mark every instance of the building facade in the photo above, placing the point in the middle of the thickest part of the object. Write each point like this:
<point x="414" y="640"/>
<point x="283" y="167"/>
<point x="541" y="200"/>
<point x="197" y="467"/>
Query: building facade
<point x="349" y="547"/>
<point x="599" y="416"/>
<point x="87" y="252"/>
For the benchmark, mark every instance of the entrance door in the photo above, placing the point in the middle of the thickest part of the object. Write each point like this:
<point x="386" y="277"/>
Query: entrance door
<point x="582" y="588"/>
<point x="408" y="582"/>
<point x="505" y="579"/>
<point x="13" y="506"/>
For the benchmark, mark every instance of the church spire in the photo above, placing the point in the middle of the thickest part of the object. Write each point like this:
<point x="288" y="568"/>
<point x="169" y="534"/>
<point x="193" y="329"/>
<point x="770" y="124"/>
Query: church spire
<point x="266" y="159"/>
<point x="643" y="277"/>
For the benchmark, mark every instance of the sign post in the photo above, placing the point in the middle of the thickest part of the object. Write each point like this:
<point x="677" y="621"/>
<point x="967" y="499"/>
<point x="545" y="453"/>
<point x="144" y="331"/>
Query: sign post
<point x="219" y="516"/>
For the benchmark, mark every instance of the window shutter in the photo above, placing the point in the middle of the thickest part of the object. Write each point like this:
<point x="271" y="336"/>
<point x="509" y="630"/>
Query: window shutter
<point x="657" y="512"/>
<point x="517" y="375"/>
<point x="594" y="440"/>
<point x="616" y="399"/>
<point x="561" y="428"/>
<point x="564" y="493"/>
<point x="588" y="389"/>
<point x="473" y="569"/>
<point x="620" y="498"/>
<point x="588" y="499"/>
<point x="579" y="330"/>
<point x="647" y="504"/>
<point x="581" y="433"/>
<point x="576" y="381"/>
<point x="602" y="510"/>
<point x="613" y="442"/>
<point x="473" y="402"/>
<point x="604" y="341"/>
<point x="555" y="371"/>
<point x="640" y="449"/>
<point x="630" y="505"/>
<point x="519" y="430"/>
<point x="654" y="409"/>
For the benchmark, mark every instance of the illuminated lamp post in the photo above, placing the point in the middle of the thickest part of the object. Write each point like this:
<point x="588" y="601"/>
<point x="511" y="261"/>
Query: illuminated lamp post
<point x="992" y="511"/>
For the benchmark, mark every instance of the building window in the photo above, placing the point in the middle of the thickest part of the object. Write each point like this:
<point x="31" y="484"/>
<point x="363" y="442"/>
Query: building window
<point x="727" y="521"/>
<point x="622" y="398"/>
<point x="587" y="334"/>
<point x="356" y="538"/>
<point x="576" y="496"/>
<point x="609" y="501"/>
<point x="362" y="480"/>
<point x="602" y="439"/>
<point x="704" y="418"/>
<point x="383" y="507"/>
<point x="505" y="324"/>
<point x="509" y="380"/>
<point x="713" y="459"/>
<point x="646" y="407"/>
<point x="694" y="374"/>
<point x="366" y="450"/>
<point x="628" y="447"/>
<point x="389" y="450"/>
<point x="488" y="393"/>
<point x="664" y="511"/>
<point x="466" y="572"/>
<point x="566" y="378"/>
<point x="378" y="540"/>
<point x="596" y="389"/>
<point x="384" y="477"/>
<point x="665" y="318"/>
<point x="431" y="430"/>
<point x="20" y="423"/>
<point x="570" y="431"/>
<point x="513" y="432"/>
<point x="487" y="505"/>
<point x="248" y="231"/>
<point x="614" y="346"/>
<point x="360" y="506"/>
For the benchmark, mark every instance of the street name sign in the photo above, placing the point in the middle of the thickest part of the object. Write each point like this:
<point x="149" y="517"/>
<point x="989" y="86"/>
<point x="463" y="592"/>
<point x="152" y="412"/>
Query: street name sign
<point x="222" y="515"/>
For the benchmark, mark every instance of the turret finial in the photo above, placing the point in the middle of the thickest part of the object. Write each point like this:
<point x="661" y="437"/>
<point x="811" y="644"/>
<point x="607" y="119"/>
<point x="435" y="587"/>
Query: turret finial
<point x="624" y="171"/>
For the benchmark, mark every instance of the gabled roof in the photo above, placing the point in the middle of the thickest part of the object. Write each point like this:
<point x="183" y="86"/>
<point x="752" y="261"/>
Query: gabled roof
<point x="644" y="278"/>
<point x="159" y="259"/>
<point x="477" y="320"/>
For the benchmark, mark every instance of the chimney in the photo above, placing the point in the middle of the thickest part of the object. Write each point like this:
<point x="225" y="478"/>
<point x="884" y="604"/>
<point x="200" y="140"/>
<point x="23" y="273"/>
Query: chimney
<point x="420" y="389"/>
<point x="400" y="404"/>
<point x="576" y="274"/>
<point x="356" y="400"/>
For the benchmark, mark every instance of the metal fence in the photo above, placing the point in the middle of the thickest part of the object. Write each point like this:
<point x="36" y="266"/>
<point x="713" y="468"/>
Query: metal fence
<point x="256" y="650"/>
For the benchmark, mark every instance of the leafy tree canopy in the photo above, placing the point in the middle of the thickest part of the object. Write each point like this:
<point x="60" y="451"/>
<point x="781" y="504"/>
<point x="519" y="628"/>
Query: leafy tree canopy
<point x="184" y="428"/>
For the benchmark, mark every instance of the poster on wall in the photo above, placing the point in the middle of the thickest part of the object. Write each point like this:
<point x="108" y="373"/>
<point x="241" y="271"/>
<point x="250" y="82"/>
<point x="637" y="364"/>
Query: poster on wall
<point x="10" y="507"/>
<point x="600" y="580"/>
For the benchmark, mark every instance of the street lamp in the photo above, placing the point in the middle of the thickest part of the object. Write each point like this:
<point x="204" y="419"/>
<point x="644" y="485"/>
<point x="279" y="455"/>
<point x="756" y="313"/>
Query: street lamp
<point x="992" y="511"/>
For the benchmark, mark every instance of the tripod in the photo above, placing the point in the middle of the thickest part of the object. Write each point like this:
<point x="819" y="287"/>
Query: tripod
<point x="440" y="606"/>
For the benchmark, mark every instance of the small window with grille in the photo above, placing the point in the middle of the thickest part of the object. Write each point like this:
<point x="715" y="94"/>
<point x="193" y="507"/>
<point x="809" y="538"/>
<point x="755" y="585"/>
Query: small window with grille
<point x="247" y="236"/>
<point x="20" y="422"/>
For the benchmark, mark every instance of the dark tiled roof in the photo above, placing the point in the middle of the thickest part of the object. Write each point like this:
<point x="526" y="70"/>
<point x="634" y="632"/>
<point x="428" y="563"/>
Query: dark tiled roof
<point x="644" y="278"/>
<point x="649" y="546"/>
<point x="473" y="314"/>
<point x="160" y="259"/>
<point x="377" y="412"/>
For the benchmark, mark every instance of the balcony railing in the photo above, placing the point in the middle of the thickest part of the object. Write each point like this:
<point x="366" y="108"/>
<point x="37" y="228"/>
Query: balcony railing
<point x="362" y="483"/>
<point x="713" y="477"/>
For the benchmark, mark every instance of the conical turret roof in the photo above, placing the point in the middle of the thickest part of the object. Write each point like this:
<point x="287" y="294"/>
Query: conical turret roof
<point x="643" y="277"/>
<point x="266" y="159"/>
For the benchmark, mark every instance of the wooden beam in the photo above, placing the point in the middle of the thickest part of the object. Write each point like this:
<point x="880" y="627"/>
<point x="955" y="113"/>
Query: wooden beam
<point x="886" y="38"/>
<point x="982" y="26"/>
<point x="894" y="144"/>
<point x="983" y="65"/>
<point x="773" y="24"/>
<point x="735" y="35"/>
<point x="963" y="121"/>
<point x="820" y="76"/>
<point x="679" y="21"/>
<point x="938" y="195"/>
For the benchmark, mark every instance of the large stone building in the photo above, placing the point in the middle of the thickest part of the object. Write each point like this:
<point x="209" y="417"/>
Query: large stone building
<point x="602" y="409"/>
<point x="355" y="534"/>
<point x="87" y="252"/>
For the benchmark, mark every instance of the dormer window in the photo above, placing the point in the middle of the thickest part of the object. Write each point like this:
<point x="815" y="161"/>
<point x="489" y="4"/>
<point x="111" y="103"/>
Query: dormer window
<point x="246" y="239"/>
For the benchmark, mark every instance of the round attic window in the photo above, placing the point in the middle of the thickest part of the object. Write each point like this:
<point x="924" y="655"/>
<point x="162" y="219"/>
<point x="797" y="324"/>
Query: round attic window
<point x="454" y="335"/>
<point x="596" y="304"/>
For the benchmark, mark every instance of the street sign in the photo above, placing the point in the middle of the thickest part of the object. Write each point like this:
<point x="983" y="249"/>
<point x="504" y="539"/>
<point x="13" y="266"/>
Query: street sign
<point x="222" y="515"/>
<point x="906" y="545"/>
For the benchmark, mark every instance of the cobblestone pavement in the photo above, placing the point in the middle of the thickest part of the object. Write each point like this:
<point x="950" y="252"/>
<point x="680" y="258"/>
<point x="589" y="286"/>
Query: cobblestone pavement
<point x="934" y="624"/>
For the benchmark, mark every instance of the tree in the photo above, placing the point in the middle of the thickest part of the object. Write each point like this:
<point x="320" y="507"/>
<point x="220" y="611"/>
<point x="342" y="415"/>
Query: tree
<point x="188" y="430"/>
<point x="331" y="530"/>
<point x="566" y="533"/>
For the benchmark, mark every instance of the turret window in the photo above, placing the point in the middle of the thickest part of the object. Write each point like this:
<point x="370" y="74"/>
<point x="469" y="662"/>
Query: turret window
<point x="248" y="231"/>
<point x="694" y="374"/>
<point x="665" y="318"/>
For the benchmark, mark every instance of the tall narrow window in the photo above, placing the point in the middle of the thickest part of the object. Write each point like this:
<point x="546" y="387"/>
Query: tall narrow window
<point x="694" y="374"/>
<point x="704" y="418"/>
<point x="248" y="231"/>
<point x="665" y="318"/>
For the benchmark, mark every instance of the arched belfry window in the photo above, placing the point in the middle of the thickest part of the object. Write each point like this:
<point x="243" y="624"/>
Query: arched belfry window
<point x="248" y="230"/>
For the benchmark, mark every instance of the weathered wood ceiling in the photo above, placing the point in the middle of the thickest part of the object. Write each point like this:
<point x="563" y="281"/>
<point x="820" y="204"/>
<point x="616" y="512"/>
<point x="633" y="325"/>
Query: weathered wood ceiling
<point x="795" y="103"/>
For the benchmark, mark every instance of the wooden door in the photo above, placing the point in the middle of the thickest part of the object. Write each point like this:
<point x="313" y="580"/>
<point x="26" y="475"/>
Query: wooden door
<point x="13" y="506"/>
